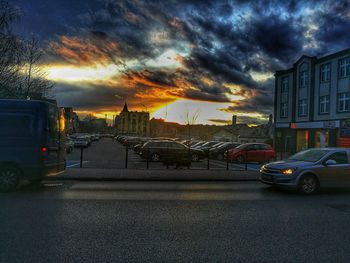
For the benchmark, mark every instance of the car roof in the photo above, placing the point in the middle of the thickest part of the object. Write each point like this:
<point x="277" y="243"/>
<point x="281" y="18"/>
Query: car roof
<point x="332" y="148"/>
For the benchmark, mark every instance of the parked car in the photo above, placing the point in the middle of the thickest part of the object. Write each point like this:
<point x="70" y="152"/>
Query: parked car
<point x="309" y="170"/>
<point x="81" y="142"/>
<point x="198" y="144"/>
<point x="161" y="150"/>
<point x="32" y="141"/>
<point x="133" y="141"/>
<point x="95" y="137"/>
<point x="206" y="146"/>
<point x="69" y="145"/>
<point x="251" y="152"/>
<point x="219" y="151"/>
<point x="138" y="147"/>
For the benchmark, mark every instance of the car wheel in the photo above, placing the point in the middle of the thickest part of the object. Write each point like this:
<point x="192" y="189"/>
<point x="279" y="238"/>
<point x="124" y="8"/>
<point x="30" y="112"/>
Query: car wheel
<point x="240" y="159"/>
<point x="195" y="157"/>
<point x="155" y="157"/>
<point x="220" y="157"/>
<point x="9" y="178"/>
<point x="308" y="184"/>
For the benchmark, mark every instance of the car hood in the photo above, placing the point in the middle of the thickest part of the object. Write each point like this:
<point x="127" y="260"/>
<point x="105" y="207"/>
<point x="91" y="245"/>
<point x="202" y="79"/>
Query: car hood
<point x="285" y="164"/>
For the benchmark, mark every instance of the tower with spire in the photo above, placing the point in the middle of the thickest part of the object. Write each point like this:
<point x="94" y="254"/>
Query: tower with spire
<point x="125" y="109"/>
<point x="132" y="122"/>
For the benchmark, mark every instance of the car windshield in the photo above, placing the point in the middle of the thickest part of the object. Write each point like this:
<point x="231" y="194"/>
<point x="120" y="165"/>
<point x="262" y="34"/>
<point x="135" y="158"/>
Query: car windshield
<point x="311" y="155"/>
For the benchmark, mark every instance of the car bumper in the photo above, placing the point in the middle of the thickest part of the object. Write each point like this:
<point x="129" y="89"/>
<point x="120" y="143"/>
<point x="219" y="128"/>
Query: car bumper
<point x="278" y="180"/>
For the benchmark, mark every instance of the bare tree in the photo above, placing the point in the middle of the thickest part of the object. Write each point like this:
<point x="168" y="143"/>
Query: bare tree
<point x="35" y="78"/>
<point x="190" y="119"/>
<point x="10" y="50"/>
<point x="20" y="72"/>
<point x="8" y="14"/>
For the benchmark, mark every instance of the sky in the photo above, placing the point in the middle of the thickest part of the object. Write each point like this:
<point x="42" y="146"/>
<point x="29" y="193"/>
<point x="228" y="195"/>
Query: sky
<point x="209" y="59"/>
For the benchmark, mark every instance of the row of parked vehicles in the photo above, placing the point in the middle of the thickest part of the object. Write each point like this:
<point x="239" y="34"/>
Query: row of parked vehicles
<point x="80" y="140"/>
<point x="158" y="149"/>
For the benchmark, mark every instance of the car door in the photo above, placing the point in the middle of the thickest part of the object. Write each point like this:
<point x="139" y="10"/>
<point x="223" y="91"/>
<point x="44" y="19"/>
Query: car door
<point x="253" y="153"/>
<point x="339" y="173"/>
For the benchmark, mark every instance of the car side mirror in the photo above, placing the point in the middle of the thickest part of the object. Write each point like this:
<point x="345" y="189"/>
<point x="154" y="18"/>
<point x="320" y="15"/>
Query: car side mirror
<point x="330" y="162"/>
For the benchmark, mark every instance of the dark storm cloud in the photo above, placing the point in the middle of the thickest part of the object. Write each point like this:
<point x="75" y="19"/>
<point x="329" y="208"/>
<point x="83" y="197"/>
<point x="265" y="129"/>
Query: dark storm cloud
<point x="224" y="40"/>
<point x="335" y="24"/>
<point x="261" y="101"/>
<point x="93" y="97"/>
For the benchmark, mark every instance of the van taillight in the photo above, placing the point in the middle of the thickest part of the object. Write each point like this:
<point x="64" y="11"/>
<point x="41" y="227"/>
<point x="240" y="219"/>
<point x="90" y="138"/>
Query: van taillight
<point x="43" y="149"/>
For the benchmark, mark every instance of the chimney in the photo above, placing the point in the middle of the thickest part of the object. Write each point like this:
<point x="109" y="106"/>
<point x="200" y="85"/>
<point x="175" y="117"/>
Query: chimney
<point x="234" y="119"/>
<point x="270" y="119"/>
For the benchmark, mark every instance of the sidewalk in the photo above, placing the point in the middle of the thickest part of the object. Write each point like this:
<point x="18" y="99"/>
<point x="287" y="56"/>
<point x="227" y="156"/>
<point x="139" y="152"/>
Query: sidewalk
<point x="171" y="175"/>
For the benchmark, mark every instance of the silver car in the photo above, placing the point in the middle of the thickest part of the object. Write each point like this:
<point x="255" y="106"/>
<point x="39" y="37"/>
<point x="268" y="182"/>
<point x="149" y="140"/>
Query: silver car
<point x="310" y="169"/>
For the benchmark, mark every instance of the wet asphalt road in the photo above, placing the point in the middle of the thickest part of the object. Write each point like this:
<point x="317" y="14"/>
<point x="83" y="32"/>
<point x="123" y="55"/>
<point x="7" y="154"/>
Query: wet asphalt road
<point x="72" y="221"/>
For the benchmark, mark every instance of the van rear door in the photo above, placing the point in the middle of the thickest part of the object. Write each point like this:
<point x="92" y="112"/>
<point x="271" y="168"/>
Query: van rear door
<point x="55" y="157"/>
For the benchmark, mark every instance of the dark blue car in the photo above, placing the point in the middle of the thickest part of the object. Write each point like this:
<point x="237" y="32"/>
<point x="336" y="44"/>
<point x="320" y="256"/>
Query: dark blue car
<point x="31" y="141"/>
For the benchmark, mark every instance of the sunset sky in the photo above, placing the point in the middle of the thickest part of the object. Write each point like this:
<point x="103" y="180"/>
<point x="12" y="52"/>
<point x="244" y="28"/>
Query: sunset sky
<point x="214" y="58"/>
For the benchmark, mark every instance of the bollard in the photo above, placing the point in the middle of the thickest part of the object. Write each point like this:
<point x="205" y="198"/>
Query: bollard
<point x="226" y="164"/>
<point x="246" y="161"/>
<point x="81" y="156"/>
<point x="208" y="165"/>
<point x="126" y="157"/>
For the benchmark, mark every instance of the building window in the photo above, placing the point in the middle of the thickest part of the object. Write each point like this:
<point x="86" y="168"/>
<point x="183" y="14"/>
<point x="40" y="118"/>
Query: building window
<point x="324" y="104"/>
<point x="344" y="67"/>
<point x="304" y="79"/>
<point x="284" y="110"/>
<point x="302" y="107"/>
<point x="325" y="72"/>
<point x="343" y="101"/>
<point x="285" y="84"/>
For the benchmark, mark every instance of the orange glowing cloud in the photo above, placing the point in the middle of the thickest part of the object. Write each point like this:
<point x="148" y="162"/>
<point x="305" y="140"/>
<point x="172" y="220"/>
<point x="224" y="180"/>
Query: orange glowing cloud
<point x="85" y="51"/>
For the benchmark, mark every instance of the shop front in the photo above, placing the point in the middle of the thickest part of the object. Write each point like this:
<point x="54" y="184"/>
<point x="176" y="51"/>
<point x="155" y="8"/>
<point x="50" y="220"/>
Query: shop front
<point x="304" y="135"/>
<point x="344" y="138"/>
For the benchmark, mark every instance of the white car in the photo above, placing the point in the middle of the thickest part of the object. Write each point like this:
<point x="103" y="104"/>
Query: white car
<point x="81" y="142"/>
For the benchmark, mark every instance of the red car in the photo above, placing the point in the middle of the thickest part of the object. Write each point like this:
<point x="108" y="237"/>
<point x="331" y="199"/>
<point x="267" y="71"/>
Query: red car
<point x="252" y="152"/>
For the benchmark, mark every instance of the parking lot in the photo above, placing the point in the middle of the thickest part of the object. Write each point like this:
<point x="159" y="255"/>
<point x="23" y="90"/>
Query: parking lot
<point x="109" y="154"/>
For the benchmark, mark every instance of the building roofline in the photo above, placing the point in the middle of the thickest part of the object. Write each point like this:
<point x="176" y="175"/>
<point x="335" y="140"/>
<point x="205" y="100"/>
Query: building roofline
<point x="336" y="54"/>
<point x="315" y="60"/>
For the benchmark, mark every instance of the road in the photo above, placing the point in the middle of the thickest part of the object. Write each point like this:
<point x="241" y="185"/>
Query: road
<point x="108" y="154"/>
<point x="145" y="221"/>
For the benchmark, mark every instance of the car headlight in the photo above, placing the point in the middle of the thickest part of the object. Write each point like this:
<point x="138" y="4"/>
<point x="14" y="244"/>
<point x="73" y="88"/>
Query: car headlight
<point x="288" y="171"/>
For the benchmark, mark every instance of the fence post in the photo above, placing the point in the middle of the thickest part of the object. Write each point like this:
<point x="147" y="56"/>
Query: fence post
<point x="147" y="160"/>
<point x="167" y="159"/>
<point x="208" y="165"/>
<point x="126" y="157"/>
<point x="81" y="156"/>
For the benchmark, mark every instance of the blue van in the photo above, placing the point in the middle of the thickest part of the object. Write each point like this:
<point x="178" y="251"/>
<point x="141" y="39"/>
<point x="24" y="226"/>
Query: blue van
<point x="31" y="141"/>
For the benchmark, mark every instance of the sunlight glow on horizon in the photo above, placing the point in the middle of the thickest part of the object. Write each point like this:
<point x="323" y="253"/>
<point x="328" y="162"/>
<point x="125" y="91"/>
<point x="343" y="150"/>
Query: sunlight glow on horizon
<point x="177" y="111"/>
<point x="67" y="73"/>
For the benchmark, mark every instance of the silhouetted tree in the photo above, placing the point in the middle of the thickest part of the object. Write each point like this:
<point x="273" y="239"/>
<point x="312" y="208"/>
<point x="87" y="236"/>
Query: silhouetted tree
<point x="20" y="74"/>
